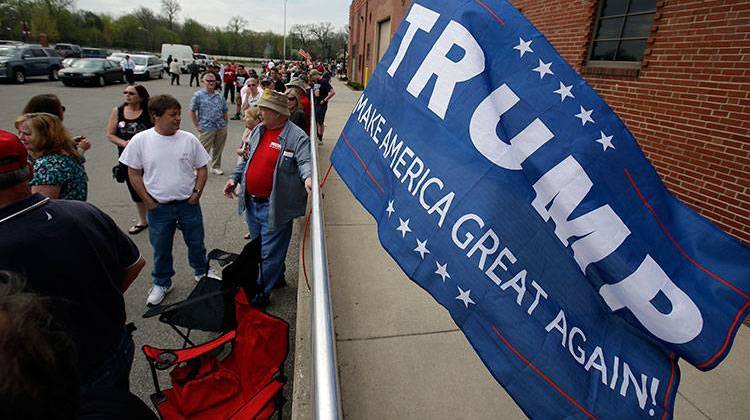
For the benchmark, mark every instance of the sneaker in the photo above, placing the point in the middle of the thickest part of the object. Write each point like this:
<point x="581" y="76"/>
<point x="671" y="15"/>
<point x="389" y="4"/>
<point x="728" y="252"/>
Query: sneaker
<point x="260" y="301"/>
<point x="156" y="294"/>
<point x="217" y="171"/>
<point x="211" y="273"/>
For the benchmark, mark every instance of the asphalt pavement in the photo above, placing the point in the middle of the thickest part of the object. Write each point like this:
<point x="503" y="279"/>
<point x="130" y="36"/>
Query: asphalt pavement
<point x="87" y="111"/>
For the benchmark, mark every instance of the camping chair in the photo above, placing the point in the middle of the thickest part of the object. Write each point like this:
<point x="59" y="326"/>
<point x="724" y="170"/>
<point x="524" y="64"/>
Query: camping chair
<point x="210" y="306"/>
<point x="238" y="375"/>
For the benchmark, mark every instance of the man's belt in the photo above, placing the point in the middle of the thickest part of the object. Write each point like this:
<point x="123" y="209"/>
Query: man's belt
<point x="256" y="199"/>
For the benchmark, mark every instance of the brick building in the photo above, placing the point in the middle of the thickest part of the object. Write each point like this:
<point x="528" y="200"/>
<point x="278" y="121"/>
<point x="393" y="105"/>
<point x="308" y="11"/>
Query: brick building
<point x="677" y="72"/>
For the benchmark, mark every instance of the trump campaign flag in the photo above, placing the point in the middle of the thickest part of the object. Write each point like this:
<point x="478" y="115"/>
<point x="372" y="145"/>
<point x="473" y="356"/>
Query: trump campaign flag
<point x="505" y="187"/>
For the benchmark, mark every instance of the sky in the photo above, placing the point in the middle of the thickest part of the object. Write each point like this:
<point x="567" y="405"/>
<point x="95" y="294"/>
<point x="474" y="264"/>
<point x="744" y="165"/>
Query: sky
<point x="261" y="15"/>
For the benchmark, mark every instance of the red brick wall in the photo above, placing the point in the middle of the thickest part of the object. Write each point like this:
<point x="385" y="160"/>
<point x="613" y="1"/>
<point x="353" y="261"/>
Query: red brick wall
<point x="688" y="106"/>
<point x="364" y="16"/>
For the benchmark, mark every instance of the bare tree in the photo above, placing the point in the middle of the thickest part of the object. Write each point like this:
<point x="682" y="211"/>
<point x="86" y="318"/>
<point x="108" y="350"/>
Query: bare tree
<point x="236" y="24"/>
<point x="235" y="27"/>
<point x="324" y="34"/>
<point x="170" y="8"/>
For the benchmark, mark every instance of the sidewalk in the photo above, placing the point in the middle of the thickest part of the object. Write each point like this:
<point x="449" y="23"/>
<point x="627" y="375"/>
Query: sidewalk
<point x="399" y="353"/>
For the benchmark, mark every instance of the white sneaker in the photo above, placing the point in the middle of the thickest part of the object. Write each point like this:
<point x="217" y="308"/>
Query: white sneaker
<point x="217" y="171"/>
<point x="211" y="273"/>
<point x="156" y="295"/>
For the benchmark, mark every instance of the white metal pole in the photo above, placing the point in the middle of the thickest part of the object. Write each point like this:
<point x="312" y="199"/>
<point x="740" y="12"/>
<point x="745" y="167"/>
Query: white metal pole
<point x="284" y="54"/>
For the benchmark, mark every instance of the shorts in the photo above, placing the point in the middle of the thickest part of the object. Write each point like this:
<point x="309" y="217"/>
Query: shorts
<point x="320" y="113"/>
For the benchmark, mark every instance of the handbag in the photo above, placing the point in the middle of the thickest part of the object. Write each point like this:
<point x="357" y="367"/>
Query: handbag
<point x="120" y="172"/>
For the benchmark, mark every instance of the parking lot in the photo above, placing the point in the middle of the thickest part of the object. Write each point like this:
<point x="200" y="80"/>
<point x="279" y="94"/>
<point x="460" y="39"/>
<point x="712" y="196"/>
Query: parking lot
<point x="87" y="111"/>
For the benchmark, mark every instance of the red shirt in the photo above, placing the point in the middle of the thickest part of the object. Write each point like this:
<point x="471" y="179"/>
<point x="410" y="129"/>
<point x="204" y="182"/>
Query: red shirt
<point x="259" y="175"/>
<point x="229" y="75"/>
<point x="305" y="104"/>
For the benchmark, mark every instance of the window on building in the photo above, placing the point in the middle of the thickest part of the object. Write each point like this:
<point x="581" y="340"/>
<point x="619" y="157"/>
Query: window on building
<point x="621" y="31"/>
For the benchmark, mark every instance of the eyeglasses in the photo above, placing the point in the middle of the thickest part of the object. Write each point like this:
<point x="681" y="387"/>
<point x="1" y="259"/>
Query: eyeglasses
<point x="128" y="93"/>
<point x="210" y="81"/>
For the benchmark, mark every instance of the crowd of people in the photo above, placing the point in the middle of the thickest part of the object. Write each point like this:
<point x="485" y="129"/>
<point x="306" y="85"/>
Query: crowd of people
<point x="76" y="295"/>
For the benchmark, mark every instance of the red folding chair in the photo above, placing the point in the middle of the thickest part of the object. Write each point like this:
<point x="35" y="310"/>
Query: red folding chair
<point x="239" y="375"/>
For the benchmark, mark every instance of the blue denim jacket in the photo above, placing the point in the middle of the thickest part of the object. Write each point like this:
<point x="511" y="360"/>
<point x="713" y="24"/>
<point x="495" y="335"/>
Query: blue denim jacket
<point x="288" y="197"/>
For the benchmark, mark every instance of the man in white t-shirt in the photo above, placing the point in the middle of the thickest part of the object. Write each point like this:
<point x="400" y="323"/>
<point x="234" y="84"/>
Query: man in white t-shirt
<point x="161" y="163"/>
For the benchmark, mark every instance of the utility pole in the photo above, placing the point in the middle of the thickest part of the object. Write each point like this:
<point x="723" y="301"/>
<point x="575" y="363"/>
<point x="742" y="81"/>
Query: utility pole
<point x="284" y="53"/>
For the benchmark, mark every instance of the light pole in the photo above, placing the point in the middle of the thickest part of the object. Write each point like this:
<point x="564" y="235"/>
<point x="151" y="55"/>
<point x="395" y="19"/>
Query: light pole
<point x="284" y="53"/>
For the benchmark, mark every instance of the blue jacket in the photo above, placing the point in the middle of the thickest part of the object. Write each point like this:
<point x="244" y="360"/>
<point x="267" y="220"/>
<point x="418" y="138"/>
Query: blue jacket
<point x="288" y="197"/>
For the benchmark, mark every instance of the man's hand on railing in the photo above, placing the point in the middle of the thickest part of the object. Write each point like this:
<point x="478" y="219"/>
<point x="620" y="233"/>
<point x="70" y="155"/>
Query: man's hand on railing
<point x="308" y="184"/>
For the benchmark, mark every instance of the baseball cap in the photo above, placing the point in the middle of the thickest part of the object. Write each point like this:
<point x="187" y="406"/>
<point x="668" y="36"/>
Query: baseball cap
<point x="13" y="155"/>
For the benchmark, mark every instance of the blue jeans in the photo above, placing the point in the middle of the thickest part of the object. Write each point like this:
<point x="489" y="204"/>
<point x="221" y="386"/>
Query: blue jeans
<point x="274" y="244"/>
<point x="162" y="222"/>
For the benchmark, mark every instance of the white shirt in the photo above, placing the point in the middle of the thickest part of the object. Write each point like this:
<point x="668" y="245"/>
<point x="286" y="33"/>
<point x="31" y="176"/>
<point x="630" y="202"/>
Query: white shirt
<point x="247" y="97"/>
<point x="167" y="162"/>
<point x="174" y="67"/>
<point x="127" y="64"/>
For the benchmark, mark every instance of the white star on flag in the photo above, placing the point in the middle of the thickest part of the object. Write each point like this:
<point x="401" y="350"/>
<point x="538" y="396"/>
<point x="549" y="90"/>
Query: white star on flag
<point x="564" y="92"/>
<point x="544" y="68"/>
<point x="390" y="208"/>
<point x="606" y="141"/>
<point x="585" y="116"/>
<point x="464" y="297"/>
<point x="442" y="271"/>
<point x="523" y="46"/>
<point x="422" y="248"/>
<point x="403" y="227"/>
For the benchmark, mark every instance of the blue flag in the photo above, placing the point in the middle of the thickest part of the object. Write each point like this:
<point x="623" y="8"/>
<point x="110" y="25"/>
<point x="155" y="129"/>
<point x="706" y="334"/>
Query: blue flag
<point x="505" y="187"/>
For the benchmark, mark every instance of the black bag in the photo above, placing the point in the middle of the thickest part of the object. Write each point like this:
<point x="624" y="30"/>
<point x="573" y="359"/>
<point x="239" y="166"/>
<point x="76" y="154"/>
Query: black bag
<point x="120" y="172"/>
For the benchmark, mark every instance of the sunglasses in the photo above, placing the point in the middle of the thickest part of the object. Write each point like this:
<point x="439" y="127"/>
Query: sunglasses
<point x="210" y="81"/>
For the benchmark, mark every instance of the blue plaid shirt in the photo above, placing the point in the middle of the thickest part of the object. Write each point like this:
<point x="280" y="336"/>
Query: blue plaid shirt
<point x="210" y="109"/>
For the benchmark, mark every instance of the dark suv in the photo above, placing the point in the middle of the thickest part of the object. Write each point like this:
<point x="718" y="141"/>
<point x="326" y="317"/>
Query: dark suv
<point x="20" y="61"/>
<point x="68" y="50"/>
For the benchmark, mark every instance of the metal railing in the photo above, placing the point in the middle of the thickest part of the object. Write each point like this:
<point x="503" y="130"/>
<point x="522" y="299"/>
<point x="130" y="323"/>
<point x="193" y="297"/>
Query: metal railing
<point x="326" y="403"/>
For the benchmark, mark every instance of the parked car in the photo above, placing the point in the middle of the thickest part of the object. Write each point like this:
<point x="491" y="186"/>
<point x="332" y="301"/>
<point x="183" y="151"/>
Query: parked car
<point x="96" y="71"/>
<point x="17" y="62"/>
<point x="66" y="62"/>
<point x="68" y="50"/>
<point x="88" y="52"/>
<point x="147" y="66"/>
<point x="117" y="57"/>
<point x="10" y="42"/>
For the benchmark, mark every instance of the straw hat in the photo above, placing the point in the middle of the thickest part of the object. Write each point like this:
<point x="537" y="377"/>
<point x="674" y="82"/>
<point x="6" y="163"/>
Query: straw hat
<point x="274" y="100"/>
<point x="297" y="82"/>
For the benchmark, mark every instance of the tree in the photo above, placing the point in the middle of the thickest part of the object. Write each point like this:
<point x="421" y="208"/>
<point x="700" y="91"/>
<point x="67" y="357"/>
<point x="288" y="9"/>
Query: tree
<point x="235" y="26"/>
<point x="323" y="33"/>
<point x="43" y="22"/>
<point x="170" y="8"/>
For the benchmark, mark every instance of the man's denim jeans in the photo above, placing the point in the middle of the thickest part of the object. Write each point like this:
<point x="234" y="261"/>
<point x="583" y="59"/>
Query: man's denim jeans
<point x="274" y="244"/>
<point x="162" y="223"/>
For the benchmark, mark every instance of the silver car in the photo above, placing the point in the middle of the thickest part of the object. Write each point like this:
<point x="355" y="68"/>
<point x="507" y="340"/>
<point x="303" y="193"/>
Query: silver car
<point x="147" y="66"/>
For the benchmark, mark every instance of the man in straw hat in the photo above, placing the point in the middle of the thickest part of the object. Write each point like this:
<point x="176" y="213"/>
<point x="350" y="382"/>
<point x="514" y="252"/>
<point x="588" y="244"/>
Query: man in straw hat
<point x="274" y="183"/>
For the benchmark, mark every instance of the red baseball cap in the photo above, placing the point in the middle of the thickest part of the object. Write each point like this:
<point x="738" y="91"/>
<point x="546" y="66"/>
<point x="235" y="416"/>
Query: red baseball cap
<point x="13" y="154"/>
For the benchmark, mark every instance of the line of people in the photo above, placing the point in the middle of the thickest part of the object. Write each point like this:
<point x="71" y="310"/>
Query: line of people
<point x="88" y="261"/>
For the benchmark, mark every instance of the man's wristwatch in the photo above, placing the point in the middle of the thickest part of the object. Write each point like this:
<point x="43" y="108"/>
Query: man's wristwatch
<point x="197" y="191"/>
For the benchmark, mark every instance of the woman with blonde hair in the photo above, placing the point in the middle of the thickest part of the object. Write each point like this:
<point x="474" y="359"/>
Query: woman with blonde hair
<point x="252" y="119"/>
<point x="296" y="112"/>
<point x="58" y="172"/>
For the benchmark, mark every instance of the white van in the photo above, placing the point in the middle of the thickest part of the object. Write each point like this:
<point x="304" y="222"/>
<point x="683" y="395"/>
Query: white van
<point x="182" y="53"/>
